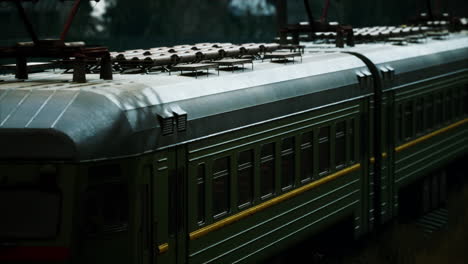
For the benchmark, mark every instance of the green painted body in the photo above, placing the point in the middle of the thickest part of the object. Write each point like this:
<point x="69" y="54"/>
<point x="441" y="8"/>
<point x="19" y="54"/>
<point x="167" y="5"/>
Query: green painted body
<point x="162" y="186"/>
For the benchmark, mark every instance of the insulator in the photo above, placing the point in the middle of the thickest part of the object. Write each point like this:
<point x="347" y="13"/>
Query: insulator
<point x="211" y="54"/>
<point x="135" y="51"/>
<point x="252" y="49"/>
<point x="222" y="45"/>
<point x="232" y="51"/>
<point x="187" y="57"/>
<point x="269" y="47"/>
<point x="165" y="59"/>
<point x="121" y="57"/>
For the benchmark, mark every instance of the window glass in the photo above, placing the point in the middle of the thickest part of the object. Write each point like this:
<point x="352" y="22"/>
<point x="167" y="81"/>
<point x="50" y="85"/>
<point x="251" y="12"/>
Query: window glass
<point x="245" y="172"/>
<point x="400" y="123"/>
<point x="29" y="214"/>
<point x="267" y="169"/>
<point x="352" y="139"/>
<point x="438" y="109"/>
<point x="340" y="144"/>
<point x="324" y="149"/>
<point x="221" y="186"/>
<point x="201" y="170"/>
<point x="386" y="116"/>
<point x="221" y="165"/>
<point x="107" y="208"/>
<point x="457" y="101"/>
<point x="429" y="112"/>
<point x="448" y="106"/>
<point x="307" y="156"/>
<point x="409" y="120"/>
<point x="465" y="99"/>
<point x="287" y="162"/>
<point x="419" y="115"/>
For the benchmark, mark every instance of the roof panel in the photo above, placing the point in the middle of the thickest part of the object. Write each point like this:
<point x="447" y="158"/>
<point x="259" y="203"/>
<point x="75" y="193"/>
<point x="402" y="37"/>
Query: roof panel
<point x="54" y="106"/>
<point x="29" y="108"/>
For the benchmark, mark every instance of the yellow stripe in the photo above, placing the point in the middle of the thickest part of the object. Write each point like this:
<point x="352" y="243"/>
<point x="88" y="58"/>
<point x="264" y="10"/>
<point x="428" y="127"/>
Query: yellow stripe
<point x="428" y="136"/>
<point x="234" y="218"/>
<point x="384" y="155"/>
<point x="163" y="248"/>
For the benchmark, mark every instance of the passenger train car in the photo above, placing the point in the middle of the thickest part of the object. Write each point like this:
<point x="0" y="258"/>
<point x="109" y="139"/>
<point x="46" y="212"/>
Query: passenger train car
<point x="228" y="167"/>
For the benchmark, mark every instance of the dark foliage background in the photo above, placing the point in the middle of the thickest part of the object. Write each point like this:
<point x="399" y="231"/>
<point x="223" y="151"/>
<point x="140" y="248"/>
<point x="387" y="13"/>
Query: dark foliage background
<point x="125" y="24"/>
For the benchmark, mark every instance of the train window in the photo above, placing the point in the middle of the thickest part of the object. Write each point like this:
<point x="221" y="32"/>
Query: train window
<point x="465" y="99"/>
<point x="106" y="208"/>
<point x="429" y="112"/>
<point x="438" y="109"/>
<point x="28" y="213"/>
<point x="221" y="186"/>
<point x="201" y="170"/>
<point x="245" y="172"/>
<point x="419" y="115"/>
<point x="386" y="116"/>
<point x="307" y="156"/>
<point x="399" y="118"/>
<point x="267" y="170"/>
<point x="221" y="165"/>
<point x="457" y="102"/>
<point x="448" y="106"/>
<point x="324" y="150"/>
<point x="352" y="138"/>
<point x="408" y="120"/>
<point x="340" y="144"/>
<point x="287" y="163"/>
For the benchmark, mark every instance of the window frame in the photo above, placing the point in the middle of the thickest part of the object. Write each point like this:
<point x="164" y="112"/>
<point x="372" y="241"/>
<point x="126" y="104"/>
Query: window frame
<point x="309" y="147"/>
<point x="341" y="135"/>
<point x="324" y="140"/>
<point x="263" y="160"/>
<point x="242" y="166"/>
<point x="289" y="155"/>
<point x="201" y="181"/>
<point x="226" y="174"/>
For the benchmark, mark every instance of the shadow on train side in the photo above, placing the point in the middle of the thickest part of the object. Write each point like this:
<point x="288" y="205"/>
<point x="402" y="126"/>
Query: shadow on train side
<point x="402" y="240"/>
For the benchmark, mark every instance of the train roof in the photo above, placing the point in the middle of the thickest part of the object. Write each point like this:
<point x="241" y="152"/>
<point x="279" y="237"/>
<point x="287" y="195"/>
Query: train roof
<point x="415" y="62"/>
<point x="49" y="117"/>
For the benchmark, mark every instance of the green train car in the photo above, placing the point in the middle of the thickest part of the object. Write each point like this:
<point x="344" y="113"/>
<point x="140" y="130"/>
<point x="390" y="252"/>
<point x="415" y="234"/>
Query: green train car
<point x="159" y="168"/>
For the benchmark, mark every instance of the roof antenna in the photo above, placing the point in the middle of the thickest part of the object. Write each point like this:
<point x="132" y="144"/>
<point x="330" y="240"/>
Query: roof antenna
<point x="26" y="22"/>
<point x="71" y="16"/>
<point x="429" y="10"/>
<point x="325" y="11"/>
<point x="309" y="14"/>
<point x="57" y="48"/>
<point x="314" y="26"/>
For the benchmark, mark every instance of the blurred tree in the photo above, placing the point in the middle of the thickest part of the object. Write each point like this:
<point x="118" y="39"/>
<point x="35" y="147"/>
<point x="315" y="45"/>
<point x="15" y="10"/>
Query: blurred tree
<point x="128" y="24"/>
<point x="48" y="18"/>
<point x="150" y="23"/>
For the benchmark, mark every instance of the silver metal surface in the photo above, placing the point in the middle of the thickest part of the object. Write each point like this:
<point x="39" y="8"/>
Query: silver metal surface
<point x="49" y="117"/>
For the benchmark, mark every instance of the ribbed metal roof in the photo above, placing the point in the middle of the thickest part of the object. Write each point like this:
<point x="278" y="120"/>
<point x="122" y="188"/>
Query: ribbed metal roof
<point x="51" y="118"/>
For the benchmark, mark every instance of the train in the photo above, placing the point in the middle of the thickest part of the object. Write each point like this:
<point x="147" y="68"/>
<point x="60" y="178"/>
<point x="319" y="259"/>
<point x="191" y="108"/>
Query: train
<point x="231" y="165"/>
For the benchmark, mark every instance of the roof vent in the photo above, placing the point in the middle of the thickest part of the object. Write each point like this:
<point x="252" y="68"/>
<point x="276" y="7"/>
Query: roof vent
<point x="388" y="73"/>
<point x="166" y="120"/>
<point x="180" y="117"/>
<point x="364" y="78"/>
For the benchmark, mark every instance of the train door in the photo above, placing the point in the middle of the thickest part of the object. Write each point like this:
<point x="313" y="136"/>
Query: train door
<point x="164" y="246"/>
<point x="163" y="202"/>
<point x="148" y="249"/>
